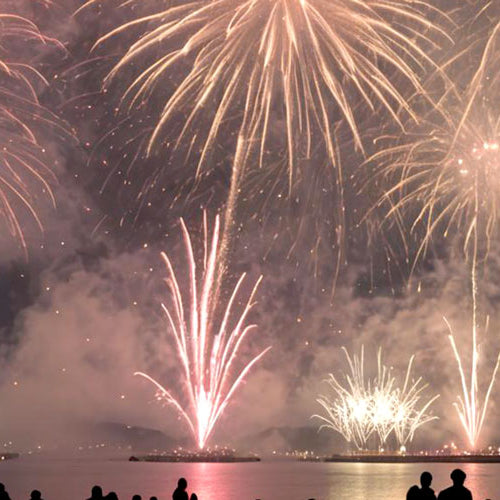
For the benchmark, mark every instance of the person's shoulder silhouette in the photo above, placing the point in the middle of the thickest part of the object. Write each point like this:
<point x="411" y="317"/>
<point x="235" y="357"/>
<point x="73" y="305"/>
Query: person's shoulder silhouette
<point x="36" y="495"/>
<point x="180" y="492"/>
<point x="3" y="494"/>
<point x="413" y="493"/>
<point x="96" y="493"/>
<point x="457" y="491"/>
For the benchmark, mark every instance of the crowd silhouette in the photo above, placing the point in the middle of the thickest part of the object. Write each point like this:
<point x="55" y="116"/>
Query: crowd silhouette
<point x="180" y="493"/>
<point x="457" y="491"/>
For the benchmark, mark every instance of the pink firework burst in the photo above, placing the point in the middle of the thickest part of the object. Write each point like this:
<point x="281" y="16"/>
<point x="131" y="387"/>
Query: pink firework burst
<point x="207" y="349"/>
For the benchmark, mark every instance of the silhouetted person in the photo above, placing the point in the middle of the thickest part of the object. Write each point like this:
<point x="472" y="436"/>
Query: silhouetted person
<point x="3" y="494"/>
<point x="96" y="493"/>
<point x="153" y="498"/>
<point x="111" y="496"/>
<point x="423" y="493"/>
<point x="193" y="496"/>
<point x="137" y="497"/>
<point x="180" y="492"/>
<point x="36" y="495"/>
<point x="426" y="492"/>
<point x="458" y="491"/>
<point x="413" y="493"/>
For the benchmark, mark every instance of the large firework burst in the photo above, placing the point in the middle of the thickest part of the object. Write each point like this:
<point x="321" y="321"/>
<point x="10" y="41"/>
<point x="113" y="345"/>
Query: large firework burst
<point x="271" y="78"/>
<point x="440" y="178"/>
<point x="25" y="172"/>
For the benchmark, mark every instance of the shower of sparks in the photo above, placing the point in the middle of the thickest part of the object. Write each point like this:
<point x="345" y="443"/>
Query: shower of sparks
<point x="207" y="353"/>
<point x="471" y="407"/>
<point x="252" y="68"/>
<point x="441" y="184"/>
<point x="443" y="179"/>
<point x="24" y="168"/>
<point x="364" y="407"/>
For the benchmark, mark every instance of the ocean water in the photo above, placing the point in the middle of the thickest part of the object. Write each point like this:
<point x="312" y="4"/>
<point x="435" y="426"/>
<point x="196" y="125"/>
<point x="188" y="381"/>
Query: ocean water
<point x="72" y="479"/>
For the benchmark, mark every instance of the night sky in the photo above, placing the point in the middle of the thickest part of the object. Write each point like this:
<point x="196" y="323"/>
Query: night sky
<point x="80" y="312"/>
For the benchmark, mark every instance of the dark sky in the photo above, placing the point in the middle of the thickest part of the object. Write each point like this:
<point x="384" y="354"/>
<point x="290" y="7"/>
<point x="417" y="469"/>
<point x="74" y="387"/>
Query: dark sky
<point x="82" y="312"/>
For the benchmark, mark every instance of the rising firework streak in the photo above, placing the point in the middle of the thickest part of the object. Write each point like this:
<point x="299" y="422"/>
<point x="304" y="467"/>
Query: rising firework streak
<point x="471" y="407"/>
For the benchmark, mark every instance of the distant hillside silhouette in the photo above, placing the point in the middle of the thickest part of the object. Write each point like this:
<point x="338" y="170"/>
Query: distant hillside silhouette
<point x="134" y="437"/>
<point x="283" y="439"/>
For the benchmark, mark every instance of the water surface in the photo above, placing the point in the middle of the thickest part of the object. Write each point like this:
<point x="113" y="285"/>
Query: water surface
<point x="71" y="479"/>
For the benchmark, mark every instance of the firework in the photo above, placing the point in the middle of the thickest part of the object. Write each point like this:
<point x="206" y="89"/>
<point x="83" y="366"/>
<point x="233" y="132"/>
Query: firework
<point x="24" y="169"/>
<point x="207" y="353"/>
<point x="471" y="406"/>
<point x="349" y="413"/>
<point x="443" y="185"/>
<point x="441" y="179"/>
<point x="409" y="415"/>
<point x="364" y="407"/>
<point x="444" y="179"/>
<point x="246" y="70"/>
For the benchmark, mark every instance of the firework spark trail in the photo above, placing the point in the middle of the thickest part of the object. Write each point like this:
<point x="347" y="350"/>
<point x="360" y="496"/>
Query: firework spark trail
<point x="470" y="408"/>
<point x="444" y="186"/>
<point x="207" y="354"/>
<point x="363" y="407"/>
<point x="245" y="65"/>
<point x="408" y="417"/>
<point x="23" y="161"/>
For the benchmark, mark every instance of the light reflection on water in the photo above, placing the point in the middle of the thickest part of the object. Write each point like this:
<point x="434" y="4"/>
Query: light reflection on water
<point x="72" y="479"/>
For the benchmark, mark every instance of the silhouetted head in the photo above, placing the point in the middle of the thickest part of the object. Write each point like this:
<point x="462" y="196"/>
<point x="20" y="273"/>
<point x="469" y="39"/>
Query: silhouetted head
<point x="136" y="497"/>
<point x="458" y="477"/>
<point x="425" y="479"/>
<point x="96" y="492"/>
<point x="193" y="496"/>
<point x="111" y="496"/>
<point x="182" y="484"/>
<point x="36" y="495"/>
<point x="153" y="498"/>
